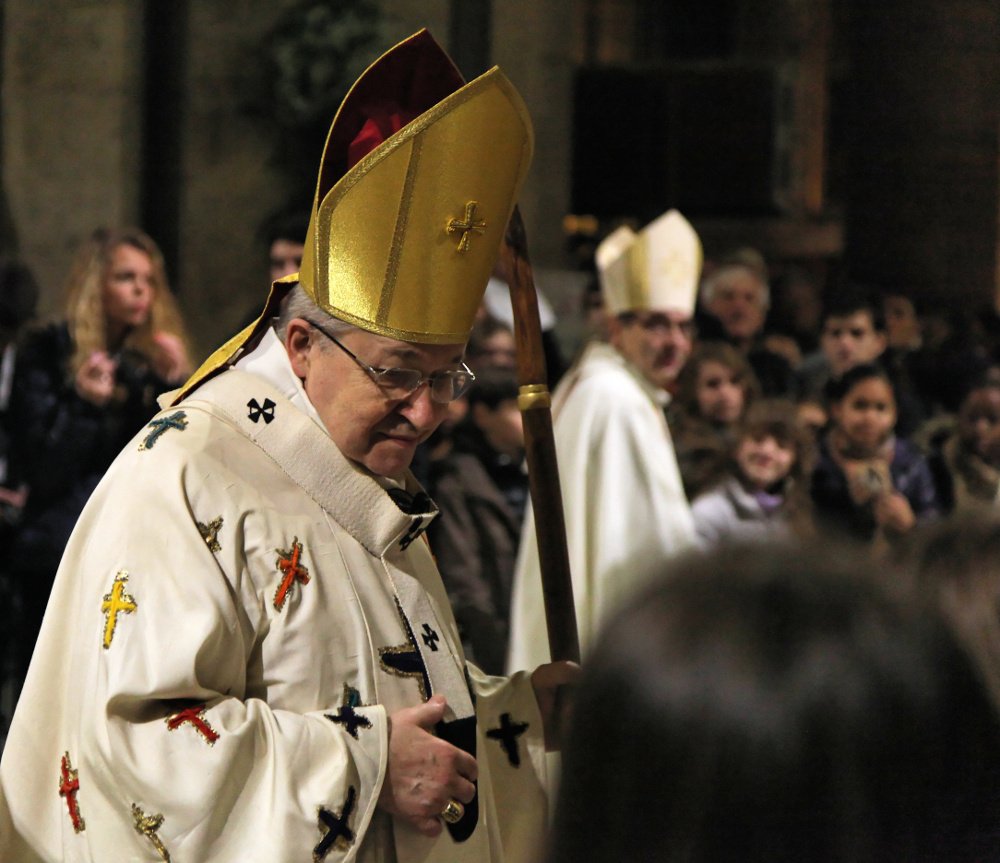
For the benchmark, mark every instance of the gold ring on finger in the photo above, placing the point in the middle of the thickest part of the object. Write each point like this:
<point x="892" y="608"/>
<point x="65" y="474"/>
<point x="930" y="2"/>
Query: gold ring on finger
<point x="453" y="812"/>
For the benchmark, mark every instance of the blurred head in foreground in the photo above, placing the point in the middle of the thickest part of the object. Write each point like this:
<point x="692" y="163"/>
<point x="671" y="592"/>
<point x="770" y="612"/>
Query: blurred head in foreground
<point x="777" y="705"/>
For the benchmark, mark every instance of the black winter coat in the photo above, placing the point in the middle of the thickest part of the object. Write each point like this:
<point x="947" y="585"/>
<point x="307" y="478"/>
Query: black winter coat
<point x="63" y="444"/>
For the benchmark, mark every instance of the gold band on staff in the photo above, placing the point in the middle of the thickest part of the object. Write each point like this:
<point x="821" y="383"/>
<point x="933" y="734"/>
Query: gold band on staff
<point x="533" y="397"/>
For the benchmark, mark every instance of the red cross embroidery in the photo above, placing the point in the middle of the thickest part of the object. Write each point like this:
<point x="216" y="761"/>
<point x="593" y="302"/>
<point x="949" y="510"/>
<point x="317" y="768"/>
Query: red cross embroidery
<point x="69" y="785"/>
<point x="194" y="716"/>
<point x="288" y="563"/>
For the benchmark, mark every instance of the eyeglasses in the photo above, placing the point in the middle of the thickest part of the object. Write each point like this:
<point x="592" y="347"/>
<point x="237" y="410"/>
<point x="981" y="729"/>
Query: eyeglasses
<point x="445" y="386"/>
<point x="657" y="322"/>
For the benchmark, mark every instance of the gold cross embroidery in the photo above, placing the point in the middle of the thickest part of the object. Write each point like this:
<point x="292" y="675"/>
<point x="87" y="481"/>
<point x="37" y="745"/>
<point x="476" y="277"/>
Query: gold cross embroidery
<point x="210" y="533"/>
<point x="116" y="601"/>
<point x="148" y="825"/>
<point x="467" y="226"/>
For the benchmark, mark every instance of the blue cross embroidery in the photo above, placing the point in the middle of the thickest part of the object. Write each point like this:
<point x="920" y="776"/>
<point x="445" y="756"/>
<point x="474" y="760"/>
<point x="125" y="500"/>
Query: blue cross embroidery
<point x="159" y="426"/>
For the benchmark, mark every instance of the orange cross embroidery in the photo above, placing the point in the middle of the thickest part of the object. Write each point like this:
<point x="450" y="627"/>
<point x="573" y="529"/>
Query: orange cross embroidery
<point x="467" y="226"/>
<point x="69" y="785"/>
<point x="116" y="601"/>
<point x="194" y="716"/>
<point x="288" y="563"/>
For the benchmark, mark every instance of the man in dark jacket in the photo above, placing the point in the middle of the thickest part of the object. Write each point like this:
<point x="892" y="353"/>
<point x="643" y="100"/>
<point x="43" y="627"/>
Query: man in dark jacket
<point x="481" y="489"/>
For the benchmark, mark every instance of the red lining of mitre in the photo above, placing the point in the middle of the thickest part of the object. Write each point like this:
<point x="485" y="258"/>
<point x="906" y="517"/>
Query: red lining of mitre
<point x="402" y="85"/>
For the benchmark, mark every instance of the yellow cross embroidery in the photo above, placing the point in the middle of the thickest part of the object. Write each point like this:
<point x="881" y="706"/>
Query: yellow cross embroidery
<point x="116" y="601"/>
<point x="147" y="825"/>
<point x="467" y="226"/>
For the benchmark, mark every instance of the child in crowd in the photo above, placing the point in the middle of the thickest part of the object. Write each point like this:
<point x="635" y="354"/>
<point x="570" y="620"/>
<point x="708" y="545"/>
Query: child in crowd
<point x="714" y="389"/>
<point x="765" y="494"/>
<point x="965" y="461"/>
<point x="868" y="484"/>
<point x="812" y="415"/>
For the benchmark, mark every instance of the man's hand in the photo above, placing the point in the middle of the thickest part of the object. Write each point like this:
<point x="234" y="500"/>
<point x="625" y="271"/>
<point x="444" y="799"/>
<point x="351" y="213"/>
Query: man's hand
<point x="424" y="772"/>
<point x="553" y="689"/>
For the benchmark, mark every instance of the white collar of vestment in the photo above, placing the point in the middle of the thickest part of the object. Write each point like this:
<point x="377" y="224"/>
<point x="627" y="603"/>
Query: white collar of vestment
<point x="602" y="352"/>
<point x="269" y="360"/>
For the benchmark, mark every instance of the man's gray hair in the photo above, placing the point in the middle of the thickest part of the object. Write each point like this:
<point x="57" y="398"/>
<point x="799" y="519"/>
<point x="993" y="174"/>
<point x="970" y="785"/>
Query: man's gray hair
<point x="298" y="304"/>
<point x="719" y="276"/>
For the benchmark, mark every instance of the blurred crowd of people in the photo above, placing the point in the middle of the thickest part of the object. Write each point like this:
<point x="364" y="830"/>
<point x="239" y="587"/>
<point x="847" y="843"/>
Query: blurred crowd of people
<point x="858" y="430"/>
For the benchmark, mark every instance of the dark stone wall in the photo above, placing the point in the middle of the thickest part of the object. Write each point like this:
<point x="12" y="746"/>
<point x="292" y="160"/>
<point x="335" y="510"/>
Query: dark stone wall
<point x="110" y="116"/>
<point x="922" y="113"/>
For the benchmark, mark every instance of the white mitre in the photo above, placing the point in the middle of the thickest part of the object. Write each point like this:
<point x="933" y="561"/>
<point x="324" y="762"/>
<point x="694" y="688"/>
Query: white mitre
<point x="658" y="268"/>
<point x="612" y="266"/>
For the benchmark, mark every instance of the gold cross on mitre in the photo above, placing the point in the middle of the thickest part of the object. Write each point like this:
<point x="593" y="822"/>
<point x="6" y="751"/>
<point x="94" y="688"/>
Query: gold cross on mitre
<point x="673" y="266"/>
<point x="467" y="226"/>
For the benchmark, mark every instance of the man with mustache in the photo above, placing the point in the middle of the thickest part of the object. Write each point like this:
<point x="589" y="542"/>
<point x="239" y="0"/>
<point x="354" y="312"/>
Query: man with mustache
<point x="624" y="501"/>
<point x="248" y="653"/>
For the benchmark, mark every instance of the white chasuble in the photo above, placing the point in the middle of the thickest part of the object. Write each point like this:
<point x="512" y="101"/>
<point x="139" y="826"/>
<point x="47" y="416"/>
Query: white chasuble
<point x="238" y="611"/>
<point x="626" y="511"/>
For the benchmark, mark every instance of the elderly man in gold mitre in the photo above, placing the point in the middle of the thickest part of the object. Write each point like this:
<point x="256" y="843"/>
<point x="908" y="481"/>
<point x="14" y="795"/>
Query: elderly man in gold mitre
<point x="625" y="505"/>
<point x="248" y="653"/>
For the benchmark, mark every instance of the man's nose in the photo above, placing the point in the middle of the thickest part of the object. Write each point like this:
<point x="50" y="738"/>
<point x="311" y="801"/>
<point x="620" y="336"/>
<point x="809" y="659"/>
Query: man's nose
<point x="420" y="409"/>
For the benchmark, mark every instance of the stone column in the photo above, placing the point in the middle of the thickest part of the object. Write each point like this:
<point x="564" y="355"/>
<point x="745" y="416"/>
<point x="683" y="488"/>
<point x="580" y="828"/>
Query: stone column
<point x="534" y="43"/>
<point x="71" y="128"/>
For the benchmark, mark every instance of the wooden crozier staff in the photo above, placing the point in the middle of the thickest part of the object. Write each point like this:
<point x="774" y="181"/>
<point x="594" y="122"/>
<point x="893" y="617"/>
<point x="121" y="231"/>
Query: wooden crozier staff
<point x="535" y="402"/>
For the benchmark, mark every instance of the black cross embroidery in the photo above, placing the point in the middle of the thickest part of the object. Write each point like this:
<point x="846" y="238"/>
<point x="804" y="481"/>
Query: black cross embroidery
<point x="405" y="660"/>
<point x="467" y="226"/>
<point x="345" y="713"/>
<point x="257" y="411"/>
<point x="159" y="426"/>
<point x="338" y="834"/>
<point x="431" y="638"/>
<point x="507" y="734"/>
<point x="416" y="528"/>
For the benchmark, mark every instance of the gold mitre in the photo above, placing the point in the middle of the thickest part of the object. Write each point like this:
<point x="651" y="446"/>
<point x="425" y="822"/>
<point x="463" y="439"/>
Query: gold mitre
<point x="418" y="179"/>
<point x="658" y="270"/>
<point x="402" y="241"/>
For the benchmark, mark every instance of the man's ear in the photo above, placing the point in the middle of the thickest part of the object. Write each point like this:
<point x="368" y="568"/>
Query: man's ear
<point x="298" y="343"/>
<point x="883" y="339"/>
<point x="614" y="330"/>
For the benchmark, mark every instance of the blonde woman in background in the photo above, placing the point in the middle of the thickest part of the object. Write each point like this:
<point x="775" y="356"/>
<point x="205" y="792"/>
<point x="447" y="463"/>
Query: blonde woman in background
<point x="121" y="316"/>
<point x="83" y="387"/>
